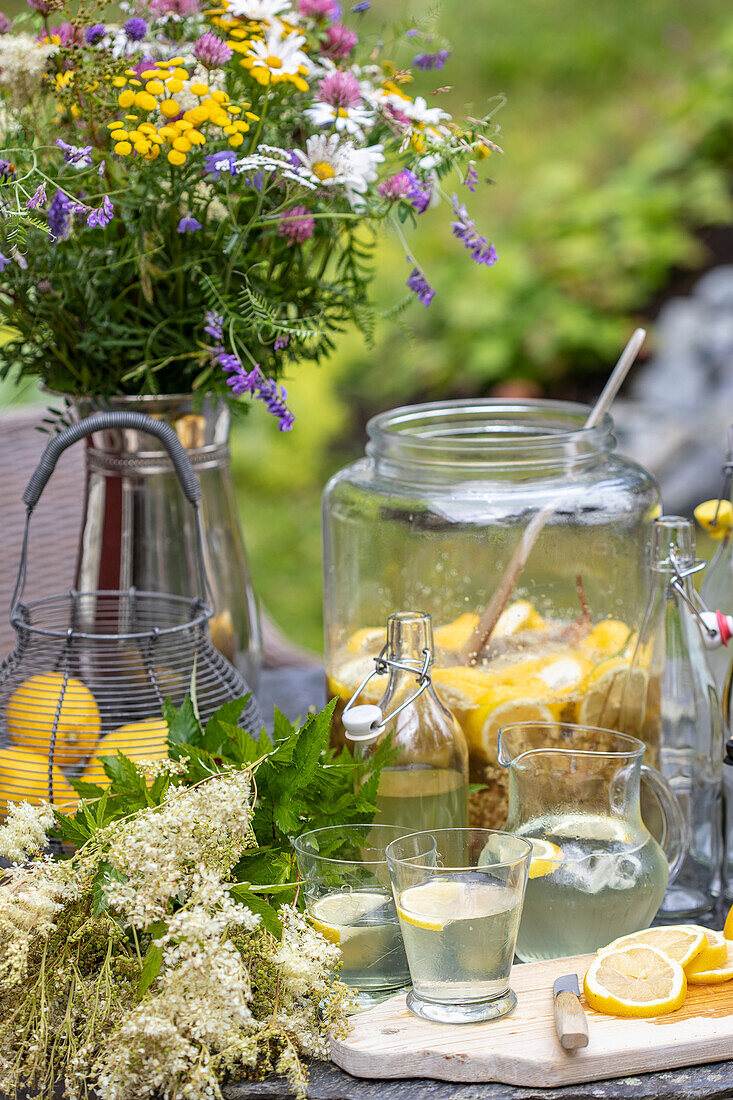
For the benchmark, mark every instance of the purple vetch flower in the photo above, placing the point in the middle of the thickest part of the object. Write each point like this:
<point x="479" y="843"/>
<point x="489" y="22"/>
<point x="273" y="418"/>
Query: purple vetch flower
<point x="43" y="7"/>
<point x="216" y="163"/>
<point x="4" y="262"/>
<point x="135" y="28"/>
<point x="94" y="34"/>
<point x="419" y="284"/>
<point x="60" y="213"/>
<point x="471" y="178"/>
<point x="340" y="41"/>
<point x="38" y="197"/>
<point x="102" y="216"/>
<point x="363" y="6"/>
<point x="429" y="61"/>
<point x="420" y="193"/>
<point x="7" y="172"/>
<point x="281" y="343"/>
<point x="340" y="89"/>
<point x="6" y="25"/>
<point x="188" y="225"/>
<point x="296" y="224"/>
<point x="256" y="182"/>
<point x="78" y="155"/>
<point x="465" y="231"/>
<point x="275" y="398"/>
<point x="412" y="33"/>
<point x="319" y="9"/>
<point x="214" y="325"/>
<point x="254" y="382"/>
<point x="212" y="51"/>
<point x="101" y="169"/>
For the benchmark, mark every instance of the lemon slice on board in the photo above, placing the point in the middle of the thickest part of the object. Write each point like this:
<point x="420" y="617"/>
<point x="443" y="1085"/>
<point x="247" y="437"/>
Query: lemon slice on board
<point x="438" y="902"/>
<point x="715" y="974"/>
<point x="335" y="914"/>
<point x="728" y="926"/>
<point x="713" y="954"/>
<point x="680" y="942"/>
<point x="545" y="855"/>
<point x="635" y="981"/>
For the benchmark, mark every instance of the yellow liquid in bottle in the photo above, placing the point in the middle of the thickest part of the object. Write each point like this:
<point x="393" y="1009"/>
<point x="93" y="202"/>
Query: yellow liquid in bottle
<point x="422" y="798"/>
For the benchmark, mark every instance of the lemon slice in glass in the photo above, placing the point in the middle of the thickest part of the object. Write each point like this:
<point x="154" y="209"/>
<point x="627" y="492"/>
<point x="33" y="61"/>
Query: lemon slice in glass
<point x="635" y="981"/>
<point x="438" y="902"/>
<point x="680" y="942"/>
<point x="336" y="914"/>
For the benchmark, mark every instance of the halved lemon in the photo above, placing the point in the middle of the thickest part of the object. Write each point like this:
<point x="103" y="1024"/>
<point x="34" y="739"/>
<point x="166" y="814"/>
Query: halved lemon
<point x="461" y="689"/>
<point x="545" y="855"/>
<point x="611" y="687"/>
<point x="728" y="926"/>
<point x="713" y="954"/>
<point x="453" y="636"/>
<point x="715" y="517"/>
<point x="635" y="981"/>
<point x="345" y="680"/>
<point x="715" y="974"/>
<point x="438" y="902"/>
<point x="520" y="615"/>
<point x="680" y="942"/>
<point x="369" y="640"/>
<point x="334" y="914"/>
<point x="563" y="676"/>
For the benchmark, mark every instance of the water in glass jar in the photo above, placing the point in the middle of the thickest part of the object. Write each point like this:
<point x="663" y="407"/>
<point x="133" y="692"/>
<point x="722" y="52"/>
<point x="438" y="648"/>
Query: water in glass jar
<point x="365" y="926"/>
<point x="586" y="886"/>
<point x="418" y="799"/>
<point x="459" y="931"/>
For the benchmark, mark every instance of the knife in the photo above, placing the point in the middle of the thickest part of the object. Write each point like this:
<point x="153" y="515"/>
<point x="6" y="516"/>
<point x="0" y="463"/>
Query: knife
<point x="570" y="1020"/>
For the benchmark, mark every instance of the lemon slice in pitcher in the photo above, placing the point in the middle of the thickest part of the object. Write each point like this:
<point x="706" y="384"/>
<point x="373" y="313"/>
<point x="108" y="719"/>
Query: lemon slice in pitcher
<point x="545" y="855"/>
<point x="635" y="981"/>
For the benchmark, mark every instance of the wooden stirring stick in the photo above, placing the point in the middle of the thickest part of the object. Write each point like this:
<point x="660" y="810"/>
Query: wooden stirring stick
<point x="486" y="625"/>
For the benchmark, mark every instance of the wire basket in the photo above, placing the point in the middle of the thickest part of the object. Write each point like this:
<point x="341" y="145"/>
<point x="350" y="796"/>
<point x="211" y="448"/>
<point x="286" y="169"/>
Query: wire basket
<point x="90" y="671"/>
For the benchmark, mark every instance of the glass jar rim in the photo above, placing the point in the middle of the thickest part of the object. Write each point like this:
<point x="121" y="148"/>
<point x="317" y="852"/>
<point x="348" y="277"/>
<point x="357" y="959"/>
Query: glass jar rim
<point x="301" y="848"/>
<point x="488" y="432"/>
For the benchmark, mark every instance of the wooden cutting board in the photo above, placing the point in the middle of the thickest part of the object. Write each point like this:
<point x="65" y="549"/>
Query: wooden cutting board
<point x="523" y="1049"/>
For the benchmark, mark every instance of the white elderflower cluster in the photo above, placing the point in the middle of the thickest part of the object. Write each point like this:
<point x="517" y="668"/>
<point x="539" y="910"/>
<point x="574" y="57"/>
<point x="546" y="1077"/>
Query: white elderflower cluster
<point x="200" y="1010"/>
<point x="306" y="961"/>
<point x="25" y="829"/>
<point x="151" y="769"/>
<point x="23" y="66"/>
<point x="30" y="898"/>
<point x="159" y="851"/>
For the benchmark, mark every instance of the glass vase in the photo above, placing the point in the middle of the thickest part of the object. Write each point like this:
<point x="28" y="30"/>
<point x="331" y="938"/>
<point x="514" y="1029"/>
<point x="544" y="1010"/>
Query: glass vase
<point x="137" y="529"/>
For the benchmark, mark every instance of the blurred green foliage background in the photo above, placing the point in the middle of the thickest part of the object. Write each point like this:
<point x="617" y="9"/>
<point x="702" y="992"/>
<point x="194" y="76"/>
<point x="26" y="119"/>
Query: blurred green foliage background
<point x="614" y="190"/>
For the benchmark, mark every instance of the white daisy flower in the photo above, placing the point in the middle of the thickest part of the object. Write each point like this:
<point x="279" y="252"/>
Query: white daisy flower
<point x="260" y="11"/>
<point x="334" y="163"/>
<point x="278" y="56"/>
<point x="352" y="120"/>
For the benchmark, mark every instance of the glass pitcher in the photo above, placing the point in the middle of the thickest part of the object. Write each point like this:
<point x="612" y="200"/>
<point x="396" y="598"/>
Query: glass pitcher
<point x="596" y="871"/>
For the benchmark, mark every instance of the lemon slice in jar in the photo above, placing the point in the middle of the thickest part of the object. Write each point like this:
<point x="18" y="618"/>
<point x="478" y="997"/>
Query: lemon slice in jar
<point x="609" y="638"/>
<point x="635" y="982"/>
<point x="513" y="710"/>
<point x="612" y="683"/>
<point x="518" y="616"/>
<point x="453" y="636"/>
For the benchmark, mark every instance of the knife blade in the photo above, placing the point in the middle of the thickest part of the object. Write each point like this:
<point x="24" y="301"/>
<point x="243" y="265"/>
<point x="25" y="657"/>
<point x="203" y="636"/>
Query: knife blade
<point x="571" y="1023"/>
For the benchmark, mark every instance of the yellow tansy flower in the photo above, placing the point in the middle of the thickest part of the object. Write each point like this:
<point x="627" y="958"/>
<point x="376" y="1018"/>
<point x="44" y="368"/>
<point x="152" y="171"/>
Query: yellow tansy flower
<point x="123" y="148"/>
<point x="126" y="98"/>
<point x="155" y="87"/>
<point x="176" y="158"/>
<point x="169" y="108"/>
<point x="145" y="101"/>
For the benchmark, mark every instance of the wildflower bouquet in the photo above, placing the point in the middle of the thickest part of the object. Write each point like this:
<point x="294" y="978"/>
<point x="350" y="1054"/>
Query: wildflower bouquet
<point x="190" y="198"/>
<point x="168" y="952"/>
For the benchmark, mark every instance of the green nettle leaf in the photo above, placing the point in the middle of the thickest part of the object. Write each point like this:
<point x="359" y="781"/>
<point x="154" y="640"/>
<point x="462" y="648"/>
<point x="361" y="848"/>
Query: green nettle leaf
<point x="151" y="968"/>
<point x="219" y="725"/>
<point x="259" y="905"/>
<point x="183" y="725"/>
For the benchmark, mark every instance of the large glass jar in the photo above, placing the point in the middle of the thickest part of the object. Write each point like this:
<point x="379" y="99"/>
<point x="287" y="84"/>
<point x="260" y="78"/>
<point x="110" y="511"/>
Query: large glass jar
<point x="431" y="519"/>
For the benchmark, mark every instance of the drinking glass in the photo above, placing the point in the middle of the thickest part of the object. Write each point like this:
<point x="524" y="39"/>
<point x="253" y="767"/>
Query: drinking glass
<point x="459" y="909"/>
<point x="349" y="901"/>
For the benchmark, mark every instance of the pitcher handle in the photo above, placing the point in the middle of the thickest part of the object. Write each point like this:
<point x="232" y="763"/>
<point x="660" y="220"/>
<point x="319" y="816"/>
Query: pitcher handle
<point x="675" y="833"/>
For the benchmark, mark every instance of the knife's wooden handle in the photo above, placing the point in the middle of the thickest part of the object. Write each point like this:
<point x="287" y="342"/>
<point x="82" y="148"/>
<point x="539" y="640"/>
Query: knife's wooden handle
<point x="570" y="1021"/>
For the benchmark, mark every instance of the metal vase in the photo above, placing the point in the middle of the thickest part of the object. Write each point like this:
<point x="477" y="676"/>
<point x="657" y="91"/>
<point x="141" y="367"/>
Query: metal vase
<point x="137" y="530"/>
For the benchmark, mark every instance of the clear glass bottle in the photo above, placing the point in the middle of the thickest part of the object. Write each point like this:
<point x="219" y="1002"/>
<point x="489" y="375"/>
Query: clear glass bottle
<point x="426" y="787"/>
<point x="717" y="586"/>
<point x="670" y="700"/>
<point x="728" y="808"/>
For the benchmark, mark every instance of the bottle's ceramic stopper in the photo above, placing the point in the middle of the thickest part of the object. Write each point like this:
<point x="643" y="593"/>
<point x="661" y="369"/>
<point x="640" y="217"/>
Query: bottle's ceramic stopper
<point x="718" y="629"/>
<point x="363" y="723"/>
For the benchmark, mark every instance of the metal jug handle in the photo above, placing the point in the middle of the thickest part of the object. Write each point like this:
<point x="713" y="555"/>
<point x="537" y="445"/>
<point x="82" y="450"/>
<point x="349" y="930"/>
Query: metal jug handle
<point x="99" y="422"/>
<point x="675" y="832"/>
